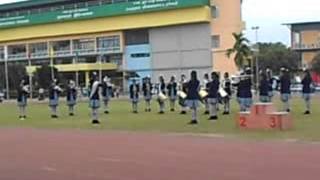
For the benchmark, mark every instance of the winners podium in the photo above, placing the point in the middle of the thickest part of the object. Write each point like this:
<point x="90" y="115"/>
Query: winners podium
<point x="264" y="116"/>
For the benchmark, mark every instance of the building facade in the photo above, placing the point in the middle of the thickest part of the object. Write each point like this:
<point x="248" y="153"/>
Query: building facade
<point x="120" y="38"/>
<point x="305" y="39"/>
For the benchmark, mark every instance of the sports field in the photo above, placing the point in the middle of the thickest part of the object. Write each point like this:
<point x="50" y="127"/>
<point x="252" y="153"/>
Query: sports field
<point x="121" y="119"/>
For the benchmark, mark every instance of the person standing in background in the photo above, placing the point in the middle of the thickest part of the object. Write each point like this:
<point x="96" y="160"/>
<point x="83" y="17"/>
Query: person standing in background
<point x="23" y="92"/>
<point x="182" y="88"/>
<point x="226" y="85"/>
<point x="106" y="93"/>
<point x="213" y="90"/>
<point x="54" y="93"/>
<point x="71" y="97"/>
<point x="134" y="95"/>
<point x="205" y="85"/>
<point x="285" y="91"/>
<point x="307" y="90"/>
<point x="161" y="88"/>
<point x="95" y="99"/>
<point x="192" y="100"/>
<point x="147" y="93"/>
<point x="264" y="88"/>
<point x="172" y="93"/>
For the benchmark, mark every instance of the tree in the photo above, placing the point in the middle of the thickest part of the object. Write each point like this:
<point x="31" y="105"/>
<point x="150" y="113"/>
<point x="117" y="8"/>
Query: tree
<point x="43" y="76"/>
<point x="316" y="64"/>
<point x="240" y="49"/>
<point x="277" y="55"/>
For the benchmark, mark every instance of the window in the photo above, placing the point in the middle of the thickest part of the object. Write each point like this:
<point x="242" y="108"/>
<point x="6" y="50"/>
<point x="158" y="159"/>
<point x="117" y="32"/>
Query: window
<point x="215" y="40"/>
<point x="215" y="12"/>
<point x="109" y="44"/>
<point x="38" y="49"/>
<point x="135" y="37"/>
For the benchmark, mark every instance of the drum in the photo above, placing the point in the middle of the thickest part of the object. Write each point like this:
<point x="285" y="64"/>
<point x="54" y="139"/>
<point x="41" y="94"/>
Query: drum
<point x="223" y="93"/>
<point x="182" y="95"/>
<point x="162" y="97"/>
<point x="203" y="93"/>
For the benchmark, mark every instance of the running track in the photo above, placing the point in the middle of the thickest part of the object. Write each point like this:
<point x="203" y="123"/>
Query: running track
<point x="28" y="154"/>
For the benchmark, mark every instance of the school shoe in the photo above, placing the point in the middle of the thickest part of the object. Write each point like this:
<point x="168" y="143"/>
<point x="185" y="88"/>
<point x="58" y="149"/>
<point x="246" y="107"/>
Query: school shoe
<point x="193" y="122"/>
<point x="135" y="112"/>
<point x="172" y="110"/>
<point x="54" y="116"/>
<point x="106" y="112"/>
<point x="226" y="113"/>
<point x="213" y="118"/>
<point x="161" y="112"/>
<point x="71" y="114"/>
<point x="288" y="110"/>
<point x="307" y="112"/>
<point x="183" y="112"/>
<point x="95" y="122"/>
<point x="206" y="112"/>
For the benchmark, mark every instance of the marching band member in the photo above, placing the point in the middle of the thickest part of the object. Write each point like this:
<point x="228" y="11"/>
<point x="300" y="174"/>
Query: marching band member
<point x="54" y="93"/>
<point x="244" y="91"/>
<point x="183" y="89"/>
<point x="285" y="91"/>
<point x="205" y="85"/>
<point x="264" y="89"/>
<point x="134" y="95"/>
<point x="147" y="93"/>
<point x="161" y="94"/>
<point x="95" y="98"/>
<point x="213" y="89"/>
<point x="106" y="93"/>
<point x="172" y="93"/>
<point x="23" y="91"/>
<point x="271" y="81"/>
<point x="306" y="90"/>
<point x="71" y="97"/>
<point x="192" y="100"/>
<point x="226" y="85"/>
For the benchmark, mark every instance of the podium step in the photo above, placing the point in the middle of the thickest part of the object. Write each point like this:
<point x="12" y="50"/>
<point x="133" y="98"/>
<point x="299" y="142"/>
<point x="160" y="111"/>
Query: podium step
<point x="264" y="116"/>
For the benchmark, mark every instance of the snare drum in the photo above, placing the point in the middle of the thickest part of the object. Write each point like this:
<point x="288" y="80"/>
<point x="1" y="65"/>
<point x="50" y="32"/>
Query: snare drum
<point x="182" y="95"/>
<point x="162" y="97"/>
<point x="203" y="93"/>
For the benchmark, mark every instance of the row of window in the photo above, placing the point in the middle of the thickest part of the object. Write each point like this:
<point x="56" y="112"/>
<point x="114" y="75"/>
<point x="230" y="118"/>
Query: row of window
<point x="108" y="44"/>
<point x="52" y="8"/>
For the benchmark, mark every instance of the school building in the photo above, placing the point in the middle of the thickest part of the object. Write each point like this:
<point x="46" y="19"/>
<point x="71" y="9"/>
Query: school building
<point x="121" y="38"/>
<point x="305" y="39"/>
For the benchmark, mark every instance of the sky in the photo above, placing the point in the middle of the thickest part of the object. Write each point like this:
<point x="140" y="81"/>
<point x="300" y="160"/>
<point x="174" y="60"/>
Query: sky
<point x="270" y="15"/>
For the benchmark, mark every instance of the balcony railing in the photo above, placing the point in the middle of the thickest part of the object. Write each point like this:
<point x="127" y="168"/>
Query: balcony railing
<point x="19" y="56"/>
<point x="64" y="53"/>
<point x="306" y="46"/>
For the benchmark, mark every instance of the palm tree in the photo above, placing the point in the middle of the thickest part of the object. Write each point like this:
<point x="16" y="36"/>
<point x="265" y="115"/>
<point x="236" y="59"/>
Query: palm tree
<point x="241" y="50"/>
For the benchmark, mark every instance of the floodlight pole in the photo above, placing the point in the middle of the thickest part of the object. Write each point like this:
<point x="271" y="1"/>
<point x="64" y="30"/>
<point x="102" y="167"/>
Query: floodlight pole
<point x="256" y="29"/>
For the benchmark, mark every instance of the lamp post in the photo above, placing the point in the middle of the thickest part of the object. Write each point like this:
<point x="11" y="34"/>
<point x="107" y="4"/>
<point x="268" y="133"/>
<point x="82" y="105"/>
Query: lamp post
<point x="256" y="29"/>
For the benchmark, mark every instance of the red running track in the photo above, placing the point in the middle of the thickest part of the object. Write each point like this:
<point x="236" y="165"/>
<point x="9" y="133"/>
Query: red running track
<point x="27" y="154"/>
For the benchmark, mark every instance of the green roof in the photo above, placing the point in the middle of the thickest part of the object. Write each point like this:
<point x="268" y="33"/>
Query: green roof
<point x="28" y="3"/>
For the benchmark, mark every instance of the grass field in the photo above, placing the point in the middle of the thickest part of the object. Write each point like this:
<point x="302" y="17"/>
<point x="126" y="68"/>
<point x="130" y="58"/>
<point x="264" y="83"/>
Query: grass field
<point x="121" y="119"/>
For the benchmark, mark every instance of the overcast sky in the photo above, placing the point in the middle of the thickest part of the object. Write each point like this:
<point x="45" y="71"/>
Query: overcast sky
<point x="269" y="15"/>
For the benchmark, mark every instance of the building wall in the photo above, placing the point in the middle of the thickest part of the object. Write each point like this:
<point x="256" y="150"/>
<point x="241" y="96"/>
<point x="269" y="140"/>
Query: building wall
<point x="138" y="59"/>
<point x="307" y="57"/>
<point x="227" y="22"/>
<point x="310" y="37"/>
<point x="178" y="50"/>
